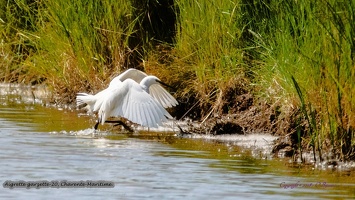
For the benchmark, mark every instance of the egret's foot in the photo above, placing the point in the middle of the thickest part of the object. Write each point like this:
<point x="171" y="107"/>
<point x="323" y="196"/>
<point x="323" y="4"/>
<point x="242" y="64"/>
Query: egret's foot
<point x="182" y="132"/>
<point x="95" y="134"/>
<point x="118" y="122"/>
<point x="125" y="126"/>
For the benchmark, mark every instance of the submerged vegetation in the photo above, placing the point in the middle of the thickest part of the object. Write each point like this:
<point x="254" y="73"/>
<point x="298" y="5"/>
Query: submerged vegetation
<point x="296" y="57"/>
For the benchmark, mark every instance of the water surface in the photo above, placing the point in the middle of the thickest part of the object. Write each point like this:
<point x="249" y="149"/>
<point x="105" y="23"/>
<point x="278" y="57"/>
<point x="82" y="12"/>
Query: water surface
<point x="39" y="143"/>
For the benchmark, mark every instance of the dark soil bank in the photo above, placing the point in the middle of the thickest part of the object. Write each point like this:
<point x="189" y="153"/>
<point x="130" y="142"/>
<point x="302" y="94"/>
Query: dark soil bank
<point x="251" y="116"/>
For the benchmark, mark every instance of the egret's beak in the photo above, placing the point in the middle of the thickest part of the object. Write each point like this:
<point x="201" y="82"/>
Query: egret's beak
<point x="161" y="82"/>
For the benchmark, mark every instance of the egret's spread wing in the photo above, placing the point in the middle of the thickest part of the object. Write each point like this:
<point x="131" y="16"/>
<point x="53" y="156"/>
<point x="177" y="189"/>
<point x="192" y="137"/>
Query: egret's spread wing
<point x="133" y="74"/>
<point x="156" y="90"/>
<point x="162" y="96"/>
<point x="130" y="101"/>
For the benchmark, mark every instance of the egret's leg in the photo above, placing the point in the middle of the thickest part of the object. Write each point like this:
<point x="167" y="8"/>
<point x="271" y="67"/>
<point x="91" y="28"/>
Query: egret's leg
<point x="96" y="125"/>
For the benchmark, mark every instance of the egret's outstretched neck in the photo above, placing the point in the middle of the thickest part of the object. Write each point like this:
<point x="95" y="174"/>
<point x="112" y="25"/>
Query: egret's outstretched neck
<point x="146" y="82"/>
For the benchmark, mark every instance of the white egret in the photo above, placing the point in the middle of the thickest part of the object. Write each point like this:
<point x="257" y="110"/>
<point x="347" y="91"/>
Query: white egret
<point x="142" y="103"/>
<point x="155" y="90"/>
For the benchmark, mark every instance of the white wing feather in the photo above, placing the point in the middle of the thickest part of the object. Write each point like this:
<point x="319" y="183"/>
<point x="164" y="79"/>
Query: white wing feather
<point x="124" y="97"/>
<point x="162" y="96"/>
<point x="90" y="100"/>
<point x="130" y="101"/>
<point x="157" y="91"/>
<point x="133" y="74"/>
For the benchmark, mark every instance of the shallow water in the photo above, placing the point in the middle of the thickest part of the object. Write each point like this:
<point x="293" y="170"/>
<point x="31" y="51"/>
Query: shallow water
<point x="46" y="145"/>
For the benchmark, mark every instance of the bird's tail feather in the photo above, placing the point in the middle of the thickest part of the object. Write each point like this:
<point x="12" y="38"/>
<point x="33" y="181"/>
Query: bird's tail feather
<point x="83" y="99"/>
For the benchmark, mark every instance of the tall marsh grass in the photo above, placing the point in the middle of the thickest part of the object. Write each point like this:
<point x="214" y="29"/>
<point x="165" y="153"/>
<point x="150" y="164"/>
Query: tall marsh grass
<point x="206" y="51"/>
<point x="71" y="45"/>
<point x="310" y="55"/>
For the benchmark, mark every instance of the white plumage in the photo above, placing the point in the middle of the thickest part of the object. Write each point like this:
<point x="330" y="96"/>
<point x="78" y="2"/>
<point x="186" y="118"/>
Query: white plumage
<point x="155" y="90"/>
<point x="133" y="95"/>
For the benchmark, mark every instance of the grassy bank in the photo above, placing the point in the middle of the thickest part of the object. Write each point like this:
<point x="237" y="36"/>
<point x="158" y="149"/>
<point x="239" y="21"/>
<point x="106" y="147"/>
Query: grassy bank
<point x="295" y="56"/>
<point x="308" y="63"/>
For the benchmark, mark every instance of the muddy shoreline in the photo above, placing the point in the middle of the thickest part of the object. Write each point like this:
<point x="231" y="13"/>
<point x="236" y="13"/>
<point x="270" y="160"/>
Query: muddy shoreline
<point x="254" y="125"/>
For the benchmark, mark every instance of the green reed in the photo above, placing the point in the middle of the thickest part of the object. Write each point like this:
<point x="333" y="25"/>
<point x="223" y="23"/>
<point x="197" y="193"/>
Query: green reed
<point x="72" y="45"/>
<point x="207" y="45"/>
<point x="311" y="49"/>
